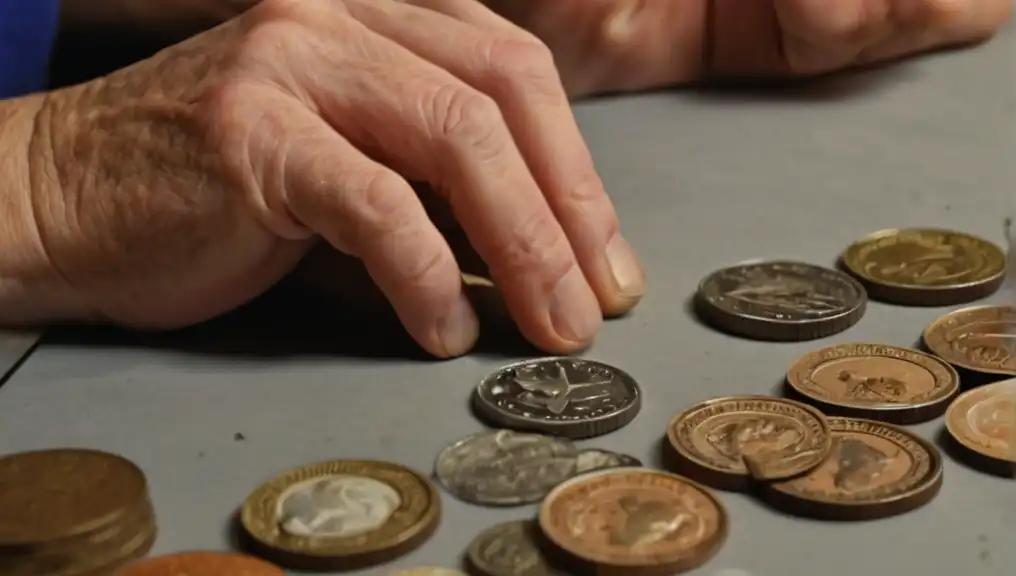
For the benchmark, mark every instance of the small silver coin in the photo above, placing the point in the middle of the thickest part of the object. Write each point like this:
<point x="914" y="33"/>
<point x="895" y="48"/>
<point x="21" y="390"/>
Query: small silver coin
<point x="596" y="459"/>
<point x="781" y="300"/>
<point x="565" y="397"/>
<point x="509" y="549"/>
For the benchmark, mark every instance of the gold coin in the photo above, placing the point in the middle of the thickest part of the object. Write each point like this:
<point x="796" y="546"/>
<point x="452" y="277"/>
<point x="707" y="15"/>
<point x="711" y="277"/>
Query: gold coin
<point x="926" y="266"/>
<point x="983" y="420"/>
<point x="342" y="511"/>
<point x="978" y="338"/>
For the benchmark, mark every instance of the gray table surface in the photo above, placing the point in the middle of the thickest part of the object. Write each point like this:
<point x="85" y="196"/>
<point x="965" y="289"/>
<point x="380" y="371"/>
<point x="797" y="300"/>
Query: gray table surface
<point x="700" y="180"/>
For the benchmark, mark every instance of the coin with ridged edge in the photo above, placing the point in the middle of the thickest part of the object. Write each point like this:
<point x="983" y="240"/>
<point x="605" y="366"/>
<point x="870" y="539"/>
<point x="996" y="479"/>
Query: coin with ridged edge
<point x="874" y="470"/>
<point x="568" y="397"/>
<point x="202" y="564"/>
<point x="341" y="513"/>
<point x="509" y="549"/>
<point x="976" y="338"/>
<point x="886" y="383"/>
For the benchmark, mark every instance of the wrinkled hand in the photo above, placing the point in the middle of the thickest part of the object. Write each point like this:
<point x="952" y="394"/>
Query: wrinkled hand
<point x="184" y="186"/>
<point x="609" y="45"/>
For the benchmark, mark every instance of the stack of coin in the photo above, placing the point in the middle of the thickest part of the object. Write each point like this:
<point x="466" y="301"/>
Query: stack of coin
<point x="72" y="512"/>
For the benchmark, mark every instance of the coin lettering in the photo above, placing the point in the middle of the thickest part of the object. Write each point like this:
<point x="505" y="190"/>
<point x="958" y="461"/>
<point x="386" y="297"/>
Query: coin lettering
<point x="979" y="338"/>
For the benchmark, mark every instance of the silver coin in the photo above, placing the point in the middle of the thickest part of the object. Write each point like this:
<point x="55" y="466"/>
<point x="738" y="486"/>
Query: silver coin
<point x="596" y="459"/>
<point x="509" y="549"/>
<point x="561" y="396"/>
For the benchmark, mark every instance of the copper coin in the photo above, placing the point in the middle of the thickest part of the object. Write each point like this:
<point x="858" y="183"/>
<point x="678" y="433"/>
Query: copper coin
<point x="634" y="521"/>
<point x="926" y="266"/>
<point x="984" y="420"/>
<point x="874" y="470"/>
<point x="978" y="338"/>
<point x="724" y="442"/>
<point x="47" y="495"/>
<point x="885" y="383"/>
<point x="202" y="564"/>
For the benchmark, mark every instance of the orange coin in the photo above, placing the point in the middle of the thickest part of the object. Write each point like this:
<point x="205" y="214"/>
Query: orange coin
<point x="202" y="564"/>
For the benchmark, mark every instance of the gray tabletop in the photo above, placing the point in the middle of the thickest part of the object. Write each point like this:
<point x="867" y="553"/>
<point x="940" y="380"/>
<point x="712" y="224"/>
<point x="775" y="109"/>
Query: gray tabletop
<point x="700" y="180"/>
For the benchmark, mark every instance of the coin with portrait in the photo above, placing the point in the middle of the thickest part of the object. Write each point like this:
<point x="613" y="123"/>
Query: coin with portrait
<point x="725" y="442"/>
<point x="875" y="381"/>
<point x="874" y="470"/>
<point x="977" y="338"/>
<point x="509" y="549"/>
<point x="630" y="520"/>
<point x="342" y="511"/>
<point x="780" y="300"/>
<point x="983" y="420"/>
<point x="926" y="266"/>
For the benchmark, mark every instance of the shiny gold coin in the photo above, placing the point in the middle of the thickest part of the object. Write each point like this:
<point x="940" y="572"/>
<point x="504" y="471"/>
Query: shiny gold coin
<point x="983" y="420"/>
<point x="926" y="266"/>
<point x="342" y="513"/>
<point x="978" y="338"/>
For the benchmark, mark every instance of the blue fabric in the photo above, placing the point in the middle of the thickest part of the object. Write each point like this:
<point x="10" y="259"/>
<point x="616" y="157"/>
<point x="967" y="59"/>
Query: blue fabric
<point x="27" y="32"/>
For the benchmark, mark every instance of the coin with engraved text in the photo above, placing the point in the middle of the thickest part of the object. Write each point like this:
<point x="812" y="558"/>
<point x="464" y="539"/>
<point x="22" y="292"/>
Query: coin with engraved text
<point x="780" y="300"/>
<point x="983" y="420"/>
<point x="566" y="397"/>
<point x="978" y="338"/>
<point x="509" y="549"/>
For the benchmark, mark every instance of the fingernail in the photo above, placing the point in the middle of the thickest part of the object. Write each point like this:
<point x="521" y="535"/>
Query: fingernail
<point x="459" y="329"/>
<point x="574" y="311"/>
<point x="624" y="265"/>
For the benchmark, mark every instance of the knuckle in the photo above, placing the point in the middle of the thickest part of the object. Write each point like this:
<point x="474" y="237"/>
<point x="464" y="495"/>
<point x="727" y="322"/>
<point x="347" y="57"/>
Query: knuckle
<point x="282" y="10"/>
<point x="469" y="117"/>
<point x="426" y="268"/>
<point x="523" y="64"/>
<point x="379" y="203"/>
<point x="588" y="200"/>
<point x="537" y="245"/>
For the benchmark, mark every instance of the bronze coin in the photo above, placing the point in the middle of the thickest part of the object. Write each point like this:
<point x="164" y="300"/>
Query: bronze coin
<point x="201" y="564"/>
<point x="978" y="338"/>
<point x="47" y="495"/>
<point x="983" y="420"/>
<point x="874" y="470"/>
<point x="509" y="549"/>
<point x="634" y="521"/>
<point x="875" y="381"/>
<point x="926" y="266"/>
<point x="725" y="442"/>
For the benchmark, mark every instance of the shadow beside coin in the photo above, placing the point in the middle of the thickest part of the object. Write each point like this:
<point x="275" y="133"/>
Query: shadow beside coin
<point x="970" y="459"/>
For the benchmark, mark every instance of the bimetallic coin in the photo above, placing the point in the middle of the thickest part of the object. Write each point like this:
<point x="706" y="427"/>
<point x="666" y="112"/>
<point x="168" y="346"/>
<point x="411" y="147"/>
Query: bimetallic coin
<point x="509" y="549"/>
<point x="926" y="266"/>
<point x="565" y="397"/>
<point x="874" y="470"/>
<point x="342" y="512"/>
<point x="978" y="338"/>
<point x="725" y="442"/>
<point x="633" y="521"/>
<point x="780" y="300"/>
<point x="983" y="420"/>
<point x="202" y="564"/>
<point x="885" y="383"/>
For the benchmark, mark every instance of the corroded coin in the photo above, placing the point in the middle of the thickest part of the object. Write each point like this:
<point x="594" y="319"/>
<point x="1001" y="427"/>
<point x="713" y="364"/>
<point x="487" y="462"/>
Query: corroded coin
<point x="978" y="338"/>
<point x="342" y="512"/>
<point x="725" y="442"/>
<point x="634" y="520"/>
<point x="561" y="396"/>
<point x="780" y="300"/>
<point x="983" y="420"/>
<point x="202" y="564"/>
<point x="509" y="549"/>
<point x="874" y="470"/>
<point x="925" y="266"/>
<point x="885" y="383"/>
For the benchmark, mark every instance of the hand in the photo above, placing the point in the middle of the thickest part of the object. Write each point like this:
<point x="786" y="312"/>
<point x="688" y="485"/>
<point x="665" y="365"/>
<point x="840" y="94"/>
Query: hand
<point x="182" y="187"/>
<point x="610" y="45"/>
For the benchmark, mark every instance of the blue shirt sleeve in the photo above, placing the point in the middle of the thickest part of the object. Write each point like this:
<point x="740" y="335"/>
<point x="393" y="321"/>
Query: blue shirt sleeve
<point x="27" y="32"/>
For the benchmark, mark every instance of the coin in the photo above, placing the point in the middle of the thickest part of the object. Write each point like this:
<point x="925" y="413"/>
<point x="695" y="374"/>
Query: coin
<point x="342" y="512"/>
<point x="885" y="383"/>
<point x="202" y="564"/>
<point x="926" y="266"/>
<point x="780" y="300"/>
<point x="725" y="442"/>
<point x="634" y="521"/>
<point x="509" y="549"/>
<point x="874" y="470"/>
<point x="978" y="338"/>
<point x="983" y="420"/>
<point x="426" y="572"/>
<point x="560" y="396"/>
<point x="596" y="459"/>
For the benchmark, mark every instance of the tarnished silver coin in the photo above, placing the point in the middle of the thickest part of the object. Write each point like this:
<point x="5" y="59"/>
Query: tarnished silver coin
<point x="509" y="549"/>
<point x="781" y="300"/>
<point x="596" y="459"/>
<point x="566" y="397"/>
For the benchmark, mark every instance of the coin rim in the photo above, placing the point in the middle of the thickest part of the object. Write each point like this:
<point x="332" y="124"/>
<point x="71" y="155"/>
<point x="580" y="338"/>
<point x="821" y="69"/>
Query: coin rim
<point x="951" y="414"/>
<point x="572" y="429"/>
<point x="936" y="325"/>
<point x="908" y="413"/>
<point x="707" y="468"/>
<point x="688" y="560"/>
<point x="253" y="560"/>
